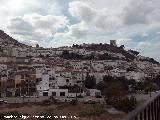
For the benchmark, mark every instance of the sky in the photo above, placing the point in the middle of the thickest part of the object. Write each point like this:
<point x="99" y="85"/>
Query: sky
<point x="55" y="23"/>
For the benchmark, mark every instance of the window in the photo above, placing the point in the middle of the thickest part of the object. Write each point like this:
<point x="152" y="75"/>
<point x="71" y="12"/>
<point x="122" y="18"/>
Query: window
<point x="62" y="93"/>
<point x="67" y="80"/>
<point x="97" y="93"/>
<point x="22" y="76"/>
<point x="53" y="93"/>
<point x="18" y="85"/>
<point x="45" y="93"/>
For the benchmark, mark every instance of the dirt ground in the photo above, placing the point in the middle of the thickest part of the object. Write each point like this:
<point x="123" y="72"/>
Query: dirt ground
<point x="71" y="111"/>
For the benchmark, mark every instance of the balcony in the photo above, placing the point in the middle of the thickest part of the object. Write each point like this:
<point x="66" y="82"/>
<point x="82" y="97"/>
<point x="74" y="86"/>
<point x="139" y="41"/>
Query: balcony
<point x="150" y="110"/>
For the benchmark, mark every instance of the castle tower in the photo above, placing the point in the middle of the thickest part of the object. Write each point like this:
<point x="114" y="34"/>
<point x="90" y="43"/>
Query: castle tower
<point x="113" y="42"/>
<point x="37" y="46"/>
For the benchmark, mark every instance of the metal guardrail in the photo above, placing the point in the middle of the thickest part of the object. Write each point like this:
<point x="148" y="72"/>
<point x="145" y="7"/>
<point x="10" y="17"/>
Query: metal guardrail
<point x="150" y="110"/>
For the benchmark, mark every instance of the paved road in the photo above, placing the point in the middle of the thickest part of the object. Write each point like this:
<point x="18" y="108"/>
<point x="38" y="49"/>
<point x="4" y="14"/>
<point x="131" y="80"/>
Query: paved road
<point x="139" y="97"/>
<point x="22" y="100"/>
<point x="143" y="97"/>
<point x="40" y="99"/>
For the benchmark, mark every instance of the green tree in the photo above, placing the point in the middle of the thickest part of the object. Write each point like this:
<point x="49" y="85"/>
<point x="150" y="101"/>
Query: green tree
<point x="113" y="87"/>
<point x="157" y="80"/>
<point x="108" y="78"/>
<point x="65" y="52"/>
<point x="126" y="104"/>
<point x="90" y="82"/>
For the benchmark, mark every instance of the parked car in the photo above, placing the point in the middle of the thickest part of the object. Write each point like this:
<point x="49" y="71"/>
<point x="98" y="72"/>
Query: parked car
<point x="71" y="96"/>
<point x="90" y="101"/>
<point x="157" y="91"/>
<point x="3" y="101"/>
<point x="68" y="100"/>
<point x="27" y="96"/>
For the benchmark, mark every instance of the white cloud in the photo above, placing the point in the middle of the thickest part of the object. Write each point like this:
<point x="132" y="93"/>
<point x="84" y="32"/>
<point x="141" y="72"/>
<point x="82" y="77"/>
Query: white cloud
<point x="13" y="8"/>
<point x="36" y="27"/>
<point x="66" y="22"/>
<point x="20" y="26"/>
<point x="112" y="5"/>
<point x="158" y="33"/>
<point x="144" y="35"/>
<point x="140" y="11"/>
<point x="157" y="45"/>
<point x="48" y="22"/>
<point x="93" y="18"/>
<point x="143" y="45"/>
<point x="78" y="30"/>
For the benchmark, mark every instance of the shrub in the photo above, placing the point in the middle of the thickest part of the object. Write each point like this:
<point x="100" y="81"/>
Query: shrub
<point x="2" y="116"/>
<point x="98" y="109"/>
<point x="53" y="100"/>
<point x="126" y="104"/>
<point x="90" y="82"/>
<point x="83" y="113"/>
<point x="46" y="102"/>
<point x="95" y="110"/>
<point x="74" y="102"/>
<point x="92" y="102"/>
<point x="47" y="113"/>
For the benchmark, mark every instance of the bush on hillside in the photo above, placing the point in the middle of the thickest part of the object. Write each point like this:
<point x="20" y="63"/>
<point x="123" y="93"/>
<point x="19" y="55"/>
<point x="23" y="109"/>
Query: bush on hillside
<point x="94" y="110"/>
<point x="126" y="104"/>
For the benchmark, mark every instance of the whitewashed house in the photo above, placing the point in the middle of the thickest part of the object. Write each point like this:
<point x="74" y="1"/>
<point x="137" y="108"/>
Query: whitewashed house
<point x="111" y="63"/>
<point x="118" y="72"/>
<point x="98" y="75"/>
<point x="44" y="84"/>
<point x="54" y="92"/>
<point x="98" y="66"/>
<point x="76" y="64"/>
<point x="94" y="92"/>
<point x="3" y="67"/>
<point x="138" y="76"/>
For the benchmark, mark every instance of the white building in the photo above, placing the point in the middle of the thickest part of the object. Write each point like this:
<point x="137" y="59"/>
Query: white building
<point x="44" y="84"/>
<point x="118" y="72"/>
<point x="94" y="92"/>
<point x="98" y="66"/>
<point x="138" y="76"/>
<point x="3" y="67"/>
<point x="54" y="92"/>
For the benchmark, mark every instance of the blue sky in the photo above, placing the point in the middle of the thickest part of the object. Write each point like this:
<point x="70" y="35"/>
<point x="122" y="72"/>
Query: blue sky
<point x="54" y="23"/>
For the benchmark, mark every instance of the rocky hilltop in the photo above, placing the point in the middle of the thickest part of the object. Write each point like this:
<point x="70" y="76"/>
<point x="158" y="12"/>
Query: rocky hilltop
<point x="11" y="47"/>
<point x="6" y="39"/>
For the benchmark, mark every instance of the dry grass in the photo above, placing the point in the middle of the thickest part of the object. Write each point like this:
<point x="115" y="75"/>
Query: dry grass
<point x="62" y="109"/>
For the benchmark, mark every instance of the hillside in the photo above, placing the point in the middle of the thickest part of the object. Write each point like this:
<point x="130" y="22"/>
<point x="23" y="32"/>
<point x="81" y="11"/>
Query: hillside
<point x="112" y="52"/>
<point x="113" y="49"/>
<point x="6" y="39"/>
